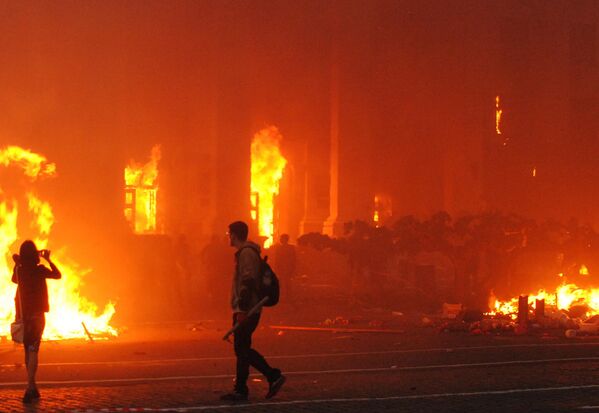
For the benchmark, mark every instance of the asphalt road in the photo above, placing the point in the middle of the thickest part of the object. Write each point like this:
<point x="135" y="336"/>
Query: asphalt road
<point x="171" y="368"/>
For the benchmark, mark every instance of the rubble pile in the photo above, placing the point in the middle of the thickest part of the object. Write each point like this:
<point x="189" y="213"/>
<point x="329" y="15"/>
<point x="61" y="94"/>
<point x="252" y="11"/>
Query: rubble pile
<point x="536" y="319"/>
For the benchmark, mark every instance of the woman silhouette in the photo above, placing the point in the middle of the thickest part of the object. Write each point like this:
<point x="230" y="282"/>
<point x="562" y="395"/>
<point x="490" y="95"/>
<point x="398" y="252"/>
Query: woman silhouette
<point x="31" y="303"/>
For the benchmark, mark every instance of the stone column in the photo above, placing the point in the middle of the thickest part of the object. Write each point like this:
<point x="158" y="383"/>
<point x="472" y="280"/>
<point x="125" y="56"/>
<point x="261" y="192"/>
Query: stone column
<point x="351" y="187"/>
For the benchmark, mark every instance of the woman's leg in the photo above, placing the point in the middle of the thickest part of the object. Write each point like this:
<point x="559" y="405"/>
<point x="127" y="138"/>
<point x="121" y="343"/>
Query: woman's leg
<point x="32" y="362"/>
<point x="34" y="329"/>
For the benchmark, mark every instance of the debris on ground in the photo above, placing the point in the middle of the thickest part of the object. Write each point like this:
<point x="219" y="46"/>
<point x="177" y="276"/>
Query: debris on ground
<point x="547" y="324"/>
<point x="338" y="330"/>
<point x="196" y="327"/>
<point x="451" y="311"/>
<point x="337" y="321"/>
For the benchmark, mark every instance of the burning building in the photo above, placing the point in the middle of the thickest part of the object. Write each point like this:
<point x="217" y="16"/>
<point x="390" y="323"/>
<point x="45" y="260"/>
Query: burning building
<point x="435" y="106"/>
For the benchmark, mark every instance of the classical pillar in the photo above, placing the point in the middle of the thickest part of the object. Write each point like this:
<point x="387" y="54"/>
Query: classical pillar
<point x="351" y="140"/>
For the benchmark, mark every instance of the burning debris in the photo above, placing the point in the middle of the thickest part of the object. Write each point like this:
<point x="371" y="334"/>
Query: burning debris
<point x="268" y="165"/>
<point x="69" y="309"/>
<point x="141" y="192"/>
<point x="567" y="297"/>
<point x="571" y="308"/>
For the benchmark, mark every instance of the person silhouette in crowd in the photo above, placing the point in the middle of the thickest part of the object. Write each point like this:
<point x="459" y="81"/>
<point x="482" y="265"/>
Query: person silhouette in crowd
<point x="216" y="261"/>
<point x="183" y="285"/>
<point x="244" y="297"/>
<point x="31" y="302"/>
<point x="285" y="262"/>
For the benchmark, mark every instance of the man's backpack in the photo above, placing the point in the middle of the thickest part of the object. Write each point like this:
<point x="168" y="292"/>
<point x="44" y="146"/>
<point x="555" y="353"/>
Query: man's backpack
<point x="269" y="282"/>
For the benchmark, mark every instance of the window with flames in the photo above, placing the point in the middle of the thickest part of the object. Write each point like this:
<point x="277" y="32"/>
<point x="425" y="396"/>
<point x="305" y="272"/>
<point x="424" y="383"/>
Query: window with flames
<point x="141" y="194"/>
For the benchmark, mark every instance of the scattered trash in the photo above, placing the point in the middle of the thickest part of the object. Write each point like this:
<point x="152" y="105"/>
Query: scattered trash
<point x="520" y="330"/>
<point x="593" y="319"/>
<point x="426" y="322"/>
<point x="280" y="333"/>
<point x="588" y="328"/>
<point x="578" y="311"/>
<point x="338" y="330"/>
<point x="337" y="321"/>
<point x="451" y="311"/>
<point x="397" y="313"/>
<point x="196" y="327"/>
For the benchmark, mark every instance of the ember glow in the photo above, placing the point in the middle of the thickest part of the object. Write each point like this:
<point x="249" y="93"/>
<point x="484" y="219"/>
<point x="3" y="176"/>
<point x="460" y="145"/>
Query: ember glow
<point x="141" y="191"/>
<point x="268" y="165"/>
<point x="565" y="297"/>
<point x="68" y="310"/>
<point x="498" y="112"/>
<point x="383" y="209"/>
<point x="376" y="218"/>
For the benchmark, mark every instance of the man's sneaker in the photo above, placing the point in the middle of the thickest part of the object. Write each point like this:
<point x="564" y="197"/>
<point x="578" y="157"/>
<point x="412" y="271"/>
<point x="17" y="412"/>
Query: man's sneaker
<point x="234" y="396"/>
<point x="275" y="386"/>
<point x="30" y="396"/>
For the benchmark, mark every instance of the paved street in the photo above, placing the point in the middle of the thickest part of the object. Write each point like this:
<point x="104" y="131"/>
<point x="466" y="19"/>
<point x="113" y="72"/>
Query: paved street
<point x="171" y="368"/>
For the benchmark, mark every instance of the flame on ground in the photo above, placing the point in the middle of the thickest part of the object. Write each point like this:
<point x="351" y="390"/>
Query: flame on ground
<point x="565" y="297"/>
<point x="68" y="310"/>
<point x="268" y="165"/>
<point x="141" y="191"/>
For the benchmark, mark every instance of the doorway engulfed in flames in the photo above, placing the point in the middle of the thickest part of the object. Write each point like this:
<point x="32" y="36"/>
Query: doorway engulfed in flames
<point x="268" y="165"/>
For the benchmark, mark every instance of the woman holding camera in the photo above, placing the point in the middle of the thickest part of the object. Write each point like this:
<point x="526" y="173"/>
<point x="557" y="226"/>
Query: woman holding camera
<point x="31" y="303"/>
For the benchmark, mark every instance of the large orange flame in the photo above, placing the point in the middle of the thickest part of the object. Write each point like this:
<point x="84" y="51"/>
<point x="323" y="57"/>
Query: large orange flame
<point x="69" y="312"/>
<point x="565" y="296"/>
<point x="268" y="165"/>
<point x="141" y="191"/>
<point x="34" y="165"/>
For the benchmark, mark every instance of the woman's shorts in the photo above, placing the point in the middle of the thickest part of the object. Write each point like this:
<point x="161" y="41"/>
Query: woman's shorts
<point x="34" y="329"/>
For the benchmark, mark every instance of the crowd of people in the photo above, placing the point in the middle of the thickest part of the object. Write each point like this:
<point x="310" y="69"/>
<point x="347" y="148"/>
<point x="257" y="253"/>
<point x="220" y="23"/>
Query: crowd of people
<point x="463" y="260"/>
